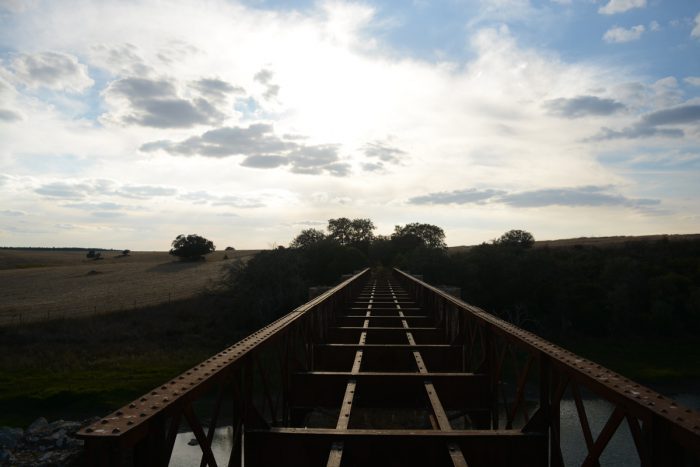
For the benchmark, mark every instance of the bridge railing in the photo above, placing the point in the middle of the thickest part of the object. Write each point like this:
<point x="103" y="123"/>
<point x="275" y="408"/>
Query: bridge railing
<point x="246" y="385"/>
<point x="522" y="367"/>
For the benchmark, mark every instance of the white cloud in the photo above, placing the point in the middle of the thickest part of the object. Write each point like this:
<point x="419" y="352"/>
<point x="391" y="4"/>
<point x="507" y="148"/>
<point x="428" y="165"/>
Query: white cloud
<point x="52" y="70"/>
<point x="620" y="6"/>
<point x="618" y="34"/>
<point x="696" y="30"/>
<point x="654" y="26"/>
<point x="268" y="115"/>
<point x="693" y="80"/>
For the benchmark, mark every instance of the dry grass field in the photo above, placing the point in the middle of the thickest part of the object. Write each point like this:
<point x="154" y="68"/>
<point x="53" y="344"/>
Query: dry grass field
<point x="594" y="241"/>
<point x="37" y="285"/>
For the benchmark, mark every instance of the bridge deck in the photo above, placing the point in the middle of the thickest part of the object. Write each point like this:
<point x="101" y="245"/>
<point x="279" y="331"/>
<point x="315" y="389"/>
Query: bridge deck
<point x="388" y="370"/>
<point x="399" y="393"/>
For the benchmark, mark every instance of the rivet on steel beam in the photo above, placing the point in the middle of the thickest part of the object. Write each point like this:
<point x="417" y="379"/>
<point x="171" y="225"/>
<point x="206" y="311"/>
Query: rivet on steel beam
<point x="119" y="412"/>
<point x="90" y="430"/>
<point x="116" y="430"/>
<point x="142" y="414"/>
<point x="130" y="422"/>
<point x="132" y="405"/>
<point x="104" y="422"/>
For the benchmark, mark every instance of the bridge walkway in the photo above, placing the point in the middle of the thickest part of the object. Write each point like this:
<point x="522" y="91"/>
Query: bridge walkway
<point x="387" y="388"/>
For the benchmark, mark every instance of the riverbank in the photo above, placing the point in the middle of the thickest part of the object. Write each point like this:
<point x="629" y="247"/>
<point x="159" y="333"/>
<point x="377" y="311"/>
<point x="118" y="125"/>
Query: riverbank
<point x="80" y="368"/>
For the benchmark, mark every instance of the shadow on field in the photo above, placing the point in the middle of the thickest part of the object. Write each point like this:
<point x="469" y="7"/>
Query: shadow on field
<point x="175" y="266"/>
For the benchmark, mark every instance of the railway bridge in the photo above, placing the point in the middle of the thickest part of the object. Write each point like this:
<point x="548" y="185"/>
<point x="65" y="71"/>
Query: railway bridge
<point x="387" y="370"/>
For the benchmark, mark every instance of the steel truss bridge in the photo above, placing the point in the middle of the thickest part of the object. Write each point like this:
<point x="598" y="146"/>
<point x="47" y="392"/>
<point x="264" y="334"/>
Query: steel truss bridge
<point x="387" y="370"/>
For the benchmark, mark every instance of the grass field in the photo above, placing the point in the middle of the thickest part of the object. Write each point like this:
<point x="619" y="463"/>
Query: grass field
<point x="44" y="284"/>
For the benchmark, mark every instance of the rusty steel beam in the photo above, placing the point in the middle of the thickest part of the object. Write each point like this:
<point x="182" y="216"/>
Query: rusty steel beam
<point x="680" y="425"/>
<point x="405" y="448"/>
<point x="132" y="423"/>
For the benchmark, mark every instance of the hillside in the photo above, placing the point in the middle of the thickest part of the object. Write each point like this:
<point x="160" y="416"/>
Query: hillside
<point x="45" y="284"/>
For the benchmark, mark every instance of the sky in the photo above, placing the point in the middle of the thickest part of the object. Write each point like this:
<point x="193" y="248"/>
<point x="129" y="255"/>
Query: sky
<point x="126" y="123"/>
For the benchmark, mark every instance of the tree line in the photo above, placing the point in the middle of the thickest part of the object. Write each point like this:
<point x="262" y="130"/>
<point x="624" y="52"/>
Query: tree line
<point x="641" y="288"/>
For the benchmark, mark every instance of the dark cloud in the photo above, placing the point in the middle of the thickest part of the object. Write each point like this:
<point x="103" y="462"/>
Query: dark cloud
<point x="51" y="70"/>
<point x="674" y="116"/>
<point x="583" y="106"/>
<point x="9" y="116"/>
<point x="649" y="125"/>
<point x="258" y="139"/>
<point x="383" y="152"/>
<point x="638" y="131"/>
<point x="373" y="167"/>
<point x="64" y="190"/>
<point x="574" y="197"/>
<point x="156" y="103"/>
<point x="578" y="196"/>
<point x="261" y="147"/>
<point x="470" y="195"/>
<point x="264" y="162"/>
<point x="264" y="77"/>
<point x="314" y="159"/>
<point x="82" y="190"/>
<point x="216" y="88"/>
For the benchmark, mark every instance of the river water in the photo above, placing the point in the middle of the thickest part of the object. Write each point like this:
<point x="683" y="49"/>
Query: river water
<point x="619" y="453"/>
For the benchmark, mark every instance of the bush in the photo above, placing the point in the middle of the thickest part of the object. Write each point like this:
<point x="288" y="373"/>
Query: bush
<point x="189" y="247"/>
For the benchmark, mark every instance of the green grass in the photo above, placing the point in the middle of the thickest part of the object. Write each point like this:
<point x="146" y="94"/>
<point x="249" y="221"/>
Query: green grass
<point x="76" y="393"/>
<point x="75" y="369"/>
<point x="657" y="360"/>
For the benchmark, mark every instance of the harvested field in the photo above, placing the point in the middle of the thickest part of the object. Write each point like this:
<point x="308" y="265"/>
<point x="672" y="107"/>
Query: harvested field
<point x="38" y="285"/>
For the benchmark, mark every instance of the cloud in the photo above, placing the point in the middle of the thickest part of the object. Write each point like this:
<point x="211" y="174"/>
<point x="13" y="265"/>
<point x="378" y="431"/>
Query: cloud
<point x="573" y="197"/>
<point x="7" y="115"/>
<point x="383" y="152"/>
<point x="317" y="159"/>
<point x="583" y="106"/>
<point x="264" y="162"/>
<point x="649" y="124"/>
<point x="145" y="191"/>
<point x="121" y="59"/>
<point x="637" y="131"/>
<point x="106" y="206"/>
<point x="470" y="195"/>
<point x="65" y="190"/>
<point x="257" y="139"/>
<point x="680" y="115"/>
<point x="51" y="70"/>
<point x="693" y="80"/>
<point x="216" y="88"/>
<point x="619" y="35"/>
<point x="262" y="149"/>
<point x="696" y="30"/>
<point x="264" y="77"/>
<point x="157" y="103"/>
<point x="654" y="26"/>
<point x="12" y="213"/>
<point x="620" y="6"/>
<point x="239" y="202"/>
<point x="90" y="188"/>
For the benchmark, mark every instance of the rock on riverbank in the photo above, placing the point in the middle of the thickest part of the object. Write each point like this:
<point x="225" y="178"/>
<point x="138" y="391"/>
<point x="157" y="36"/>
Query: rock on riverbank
<point x="41" y="444"/>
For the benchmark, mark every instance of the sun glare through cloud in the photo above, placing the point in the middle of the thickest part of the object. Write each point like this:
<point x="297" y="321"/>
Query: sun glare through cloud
<point x="124" y="123"/>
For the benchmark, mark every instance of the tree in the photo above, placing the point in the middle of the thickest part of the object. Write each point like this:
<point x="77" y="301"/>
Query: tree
<point x="517" y="238"/>
<point x="90" y="254"/>
<point x="306" y="238"/>
<point x="190" y="247"/>
<point x="416" y="234"/>
<point x="126" y="252"/>
<point x="356" y="232"/>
